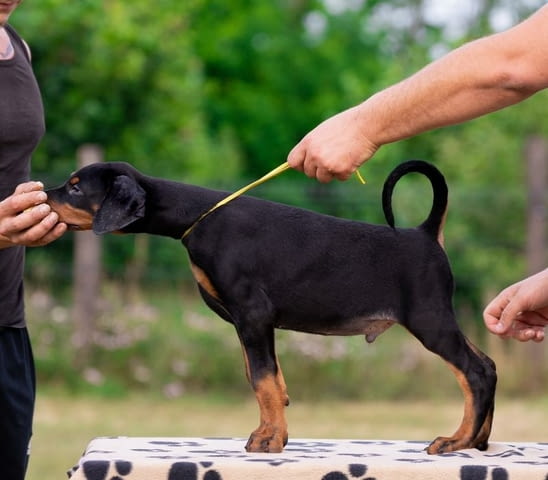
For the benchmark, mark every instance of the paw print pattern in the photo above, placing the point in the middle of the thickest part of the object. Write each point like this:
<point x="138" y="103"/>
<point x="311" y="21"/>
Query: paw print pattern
<point x="473" y="472"/>
<point x="355" y="470"/>
<point x="98" y="470"/>
<point x="190" y="471"/>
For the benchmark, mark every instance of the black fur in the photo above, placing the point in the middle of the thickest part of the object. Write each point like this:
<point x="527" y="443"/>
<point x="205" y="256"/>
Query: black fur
<point x="262" y="265"/>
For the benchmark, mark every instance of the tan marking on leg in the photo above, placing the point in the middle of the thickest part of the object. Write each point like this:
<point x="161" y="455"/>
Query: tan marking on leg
<point x="485" y="431"/>
<point x="271" y="435"/>
<point x="246" y="362"/>
<point x="464" y="436"/>
<point x="204" y="281"/>
<point x="466" y="427"/>
<point x="281" y="381"/>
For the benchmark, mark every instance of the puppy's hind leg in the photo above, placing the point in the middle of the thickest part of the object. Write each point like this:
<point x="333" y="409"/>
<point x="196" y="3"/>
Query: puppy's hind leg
<point x="483" y="436"/>
<point x="476" y="375"/>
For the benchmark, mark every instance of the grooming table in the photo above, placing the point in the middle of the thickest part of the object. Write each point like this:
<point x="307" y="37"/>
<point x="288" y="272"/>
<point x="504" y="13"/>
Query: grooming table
<point x="133" y="458"/>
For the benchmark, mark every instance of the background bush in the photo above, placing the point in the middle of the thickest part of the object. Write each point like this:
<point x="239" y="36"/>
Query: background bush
<point x="217" y="93"/>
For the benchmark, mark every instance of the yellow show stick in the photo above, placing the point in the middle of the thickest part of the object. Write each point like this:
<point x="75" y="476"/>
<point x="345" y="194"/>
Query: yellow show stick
<point x="273" y="173"/>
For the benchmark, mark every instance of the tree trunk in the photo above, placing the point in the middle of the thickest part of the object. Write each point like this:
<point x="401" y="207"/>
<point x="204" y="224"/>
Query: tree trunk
<point x="536" y="154"/>
<point x="86" y="275"/>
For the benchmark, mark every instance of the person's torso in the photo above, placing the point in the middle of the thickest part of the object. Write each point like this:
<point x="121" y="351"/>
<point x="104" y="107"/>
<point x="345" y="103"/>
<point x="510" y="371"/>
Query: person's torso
<point x="21" y="116"/>
<point x="21" y="128"/>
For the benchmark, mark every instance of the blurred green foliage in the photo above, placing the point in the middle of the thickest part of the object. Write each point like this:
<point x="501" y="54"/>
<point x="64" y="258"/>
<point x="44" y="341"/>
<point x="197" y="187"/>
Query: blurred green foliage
<point x="217" y="93"/>
<point x="170" y="343"/>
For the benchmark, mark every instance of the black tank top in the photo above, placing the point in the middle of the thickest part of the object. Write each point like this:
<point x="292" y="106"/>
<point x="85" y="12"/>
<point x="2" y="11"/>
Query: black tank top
<point x="21" y="128"/>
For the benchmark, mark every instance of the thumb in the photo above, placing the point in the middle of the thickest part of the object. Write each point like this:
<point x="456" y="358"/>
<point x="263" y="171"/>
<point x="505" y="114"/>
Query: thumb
<point x="509" y="314"/>
<point x="297" y="155"/>
<point x="493" y="313"/>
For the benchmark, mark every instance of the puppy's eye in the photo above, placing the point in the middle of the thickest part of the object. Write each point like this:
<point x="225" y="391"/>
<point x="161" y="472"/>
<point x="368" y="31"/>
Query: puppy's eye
<point x="75" y="190"/>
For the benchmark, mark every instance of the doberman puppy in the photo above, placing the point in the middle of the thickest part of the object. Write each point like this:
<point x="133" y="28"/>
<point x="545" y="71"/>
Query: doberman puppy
<point x="261" y="265"/>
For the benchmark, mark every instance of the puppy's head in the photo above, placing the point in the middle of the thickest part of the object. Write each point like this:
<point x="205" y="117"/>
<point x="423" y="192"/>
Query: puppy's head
<point x="103" y="197"/>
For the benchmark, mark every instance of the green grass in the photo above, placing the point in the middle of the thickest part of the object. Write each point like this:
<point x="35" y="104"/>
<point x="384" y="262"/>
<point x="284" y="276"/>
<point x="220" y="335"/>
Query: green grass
<point x="64" y="424"/>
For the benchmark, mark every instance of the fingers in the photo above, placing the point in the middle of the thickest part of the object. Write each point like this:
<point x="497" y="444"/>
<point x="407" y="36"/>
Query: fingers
<point x="334" y="149"/>
<point x="527" y="335"/>
<point x="29" y="187"/>
<point x="523" y="331"/>
<point x="323" y="176"/>
<point x="30" y="217"/>
<point x="26" y="195"/>
<point x="26" y="220"/>
<point x="31" y="226"/>
<point x="519" y="330"/>
<point x="502" y="310"/>
<point x="532" y="319"/>
<point x="296" y="156"/>
<point x="529" y="326"/>
<point x="509" y="315"/>
<point x="317" y="165"/>
<point x="301" y="159"/>
<point x="297" y="160"/>
<point x="53" y="234"/>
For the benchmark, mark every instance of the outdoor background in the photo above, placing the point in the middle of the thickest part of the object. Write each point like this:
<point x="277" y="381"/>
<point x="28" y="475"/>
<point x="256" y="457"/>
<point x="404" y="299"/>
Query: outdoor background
<point x="216" y="93"/>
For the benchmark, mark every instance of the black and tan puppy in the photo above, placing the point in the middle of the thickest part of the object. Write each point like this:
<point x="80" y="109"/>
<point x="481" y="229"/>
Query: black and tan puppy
<point x="262" y="265"/>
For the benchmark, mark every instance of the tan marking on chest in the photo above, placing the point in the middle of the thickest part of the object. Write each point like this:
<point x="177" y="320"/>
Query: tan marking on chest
<point x="204" y="281"/>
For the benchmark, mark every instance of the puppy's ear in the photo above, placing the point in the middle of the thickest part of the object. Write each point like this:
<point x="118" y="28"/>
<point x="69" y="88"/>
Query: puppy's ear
<point x="124" y="203"/>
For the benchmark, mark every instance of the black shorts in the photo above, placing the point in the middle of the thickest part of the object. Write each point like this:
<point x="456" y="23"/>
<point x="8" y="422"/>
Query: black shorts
<point x="17" y="393"/>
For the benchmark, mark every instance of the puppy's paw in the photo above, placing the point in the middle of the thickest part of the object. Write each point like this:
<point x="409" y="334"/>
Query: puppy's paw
<point x="441" y="445"/>
<point x="452" y="444"/>
<point x="266" y="441"/>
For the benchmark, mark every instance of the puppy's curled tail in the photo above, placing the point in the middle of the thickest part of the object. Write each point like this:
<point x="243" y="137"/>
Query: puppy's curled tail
<point x="434" y="223"/>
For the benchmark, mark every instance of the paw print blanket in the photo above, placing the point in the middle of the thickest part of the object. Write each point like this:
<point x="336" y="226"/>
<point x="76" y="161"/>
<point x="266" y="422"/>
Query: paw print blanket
<point x="126" y="458"/>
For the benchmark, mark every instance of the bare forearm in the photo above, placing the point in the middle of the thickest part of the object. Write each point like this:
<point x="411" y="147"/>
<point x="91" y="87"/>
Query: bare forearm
<point x="478" y="78"/>
<point x="474" y="80"/>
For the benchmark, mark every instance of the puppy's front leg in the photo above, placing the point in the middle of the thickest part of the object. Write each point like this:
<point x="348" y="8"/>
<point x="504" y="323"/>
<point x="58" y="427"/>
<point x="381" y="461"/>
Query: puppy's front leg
<point x="266" y="378"/>
<point x="271" y="435"/>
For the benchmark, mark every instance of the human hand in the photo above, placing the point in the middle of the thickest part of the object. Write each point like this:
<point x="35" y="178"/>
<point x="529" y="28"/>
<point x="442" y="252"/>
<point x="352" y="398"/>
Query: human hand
<point x="521" y="310"/>
<point x="25" y="218"/>
<point x="334" y="149"/>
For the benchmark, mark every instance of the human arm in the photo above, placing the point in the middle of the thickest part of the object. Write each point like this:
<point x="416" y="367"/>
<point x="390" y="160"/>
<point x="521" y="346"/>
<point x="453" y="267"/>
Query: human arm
<point x="478" y="78"/>
<point x="26" y="220"/>
<point x="521" y="310"/>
